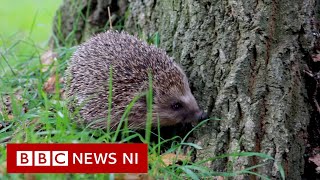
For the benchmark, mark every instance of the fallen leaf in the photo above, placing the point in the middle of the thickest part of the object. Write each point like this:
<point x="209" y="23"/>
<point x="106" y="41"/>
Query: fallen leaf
<point x="50" y="85"/>
<point x="47" y="59"/>
<point x="29" y="176"/>
<point x="10" y="117"/>
<point x="129" y="176"/>
<point x="171" y="158"/>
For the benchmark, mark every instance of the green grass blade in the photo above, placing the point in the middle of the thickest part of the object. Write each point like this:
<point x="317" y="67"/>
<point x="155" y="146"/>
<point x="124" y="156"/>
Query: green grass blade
<point x="109" y="100"/>
<point x="149" y="110"/>
<point x="190" y="173"/>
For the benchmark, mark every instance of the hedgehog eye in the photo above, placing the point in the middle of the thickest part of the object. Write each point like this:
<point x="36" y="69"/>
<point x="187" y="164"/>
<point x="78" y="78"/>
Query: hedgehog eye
<point x="176" y="106"/>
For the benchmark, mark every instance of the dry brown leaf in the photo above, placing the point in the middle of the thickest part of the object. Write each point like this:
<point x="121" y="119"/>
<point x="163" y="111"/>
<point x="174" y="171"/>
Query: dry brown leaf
<point x="10" y="117"/>
<point x="220" y="178"/>
<point x="50" y="85"/>
<point x="130" y="176"/>
<point x="171" y="158"/>
<point x="29" y="176"/>
<point x="47" y="59"/>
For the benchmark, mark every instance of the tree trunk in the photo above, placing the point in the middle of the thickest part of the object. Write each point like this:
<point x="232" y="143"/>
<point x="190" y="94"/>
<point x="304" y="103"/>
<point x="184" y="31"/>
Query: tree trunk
<point x="77" y="20"/>
<point x="245" y="60"/>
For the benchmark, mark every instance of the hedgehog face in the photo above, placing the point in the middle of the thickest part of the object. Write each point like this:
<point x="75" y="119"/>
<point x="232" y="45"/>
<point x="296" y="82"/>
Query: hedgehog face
<point x="173" y="107"/>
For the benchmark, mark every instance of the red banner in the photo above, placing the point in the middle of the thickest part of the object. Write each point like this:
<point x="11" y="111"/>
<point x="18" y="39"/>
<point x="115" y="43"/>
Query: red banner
<point x="77" y="158"/>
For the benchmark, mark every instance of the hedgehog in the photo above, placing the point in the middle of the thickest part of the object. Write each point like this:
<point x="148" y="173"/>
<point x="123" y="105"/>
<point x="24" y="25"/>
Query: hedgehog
<point x="132" y="61"/>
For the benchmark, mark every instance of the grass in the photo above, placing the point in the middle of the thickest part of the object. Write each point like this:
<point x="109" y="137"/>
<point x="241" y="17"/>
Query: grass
<point x="40" y="117"/>
<point x="25" y="24"/>
<point x="31" y="18"/>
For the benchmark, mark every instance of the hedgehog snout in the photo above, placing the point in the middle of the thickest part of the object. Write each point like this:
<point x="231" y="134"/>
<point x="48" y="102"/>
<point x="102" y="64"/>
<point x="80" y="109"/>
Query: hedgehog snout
<point x="201" y="115"/>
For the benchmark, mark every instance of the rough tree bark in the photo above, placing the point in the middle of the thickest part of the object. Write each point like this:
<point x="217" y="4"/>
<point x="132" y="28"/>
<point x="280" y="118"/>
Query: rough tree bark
<point x="77" y="20"/>
<point x="245" y="60"/>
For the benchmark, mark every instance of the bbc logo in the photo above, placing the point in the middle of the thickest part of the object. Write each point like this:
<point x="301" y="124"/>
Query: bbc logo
<point x="77" y="158"/>
<point x="42" y="158"/>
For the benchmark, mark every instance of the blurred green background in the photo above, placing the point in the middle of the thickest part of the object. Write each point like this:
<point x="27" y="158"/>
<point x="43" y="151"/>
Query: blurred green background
<point x="25" y="28"/>
<point x="27" y="18"/>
